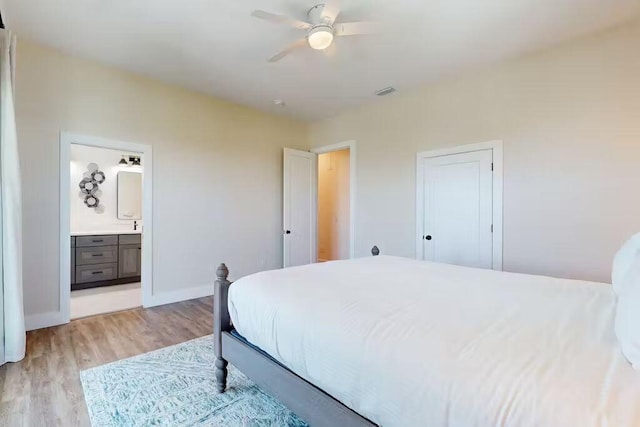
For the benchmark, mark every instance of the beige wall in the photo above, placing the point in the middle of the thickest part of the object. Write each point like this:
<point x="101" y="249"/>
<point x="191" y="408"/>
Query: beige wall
<point x="570" y="122"/>
<point x="217" y="170"/>
<point x="333" y="205"/>
<point x="569" y="118"/>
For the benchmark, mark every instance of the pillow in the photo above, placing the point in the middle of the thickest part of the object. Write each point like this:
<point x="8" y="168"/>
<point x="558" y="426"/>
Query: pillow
<point x="623" y="260"/>
<point x="628" y="313"/>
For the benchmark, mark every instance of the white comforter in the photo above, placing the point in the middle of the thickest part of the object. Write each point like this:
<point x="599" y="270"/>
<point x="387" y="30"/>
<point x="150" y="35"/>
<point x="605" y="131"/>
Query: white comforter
<point x="413" y="343"/>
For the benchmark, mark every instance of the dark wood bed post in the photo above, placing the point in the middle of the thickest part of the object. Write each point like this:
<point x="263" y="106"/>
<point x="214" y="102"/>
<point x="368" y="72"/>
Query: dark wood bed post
<point x="221" y="323"/>
<point x="375" y="251"/>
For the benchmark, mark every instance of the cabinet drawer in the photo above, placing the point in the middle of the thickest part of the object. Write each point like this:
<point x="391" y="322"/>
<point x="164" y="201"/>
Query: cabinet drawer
<point x="96" y="255"/>
<point x="129" y="239"/>
<point x="109" y="240"/>
<point x="96" y="272"/>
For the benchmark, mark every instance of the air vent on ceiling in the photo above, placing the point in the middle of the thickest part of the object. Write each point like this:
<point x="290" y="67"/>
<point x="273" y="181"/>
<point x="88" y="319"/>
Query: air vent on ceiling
<point x="385" y="91"/>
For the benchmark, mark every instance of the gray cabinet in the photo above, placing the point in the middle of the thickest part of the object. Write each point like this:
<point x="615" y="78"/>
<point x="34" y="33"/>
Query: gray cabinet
<point x="108" y="240"/>
<point x="96" y="255"/>
<point x="105" y="260"/>
<point x="129" y="261"/>
<point x="129" y="239"/>
<point x="95" y="273"/>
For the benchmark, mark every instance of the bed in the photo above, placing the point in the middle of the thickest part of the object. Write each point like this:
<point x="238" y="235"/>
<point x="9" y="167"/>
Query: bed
<point x="397" y="342"/>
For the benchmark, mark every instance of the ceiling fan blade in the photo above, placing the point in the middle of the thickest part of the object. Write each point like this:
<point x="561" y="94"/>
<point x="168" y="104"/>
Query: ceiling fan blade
<point x="356" y="28"/>
<point x="296" y="45"/>
<point x="281" y="19"/>
<point x="331" y="10"/>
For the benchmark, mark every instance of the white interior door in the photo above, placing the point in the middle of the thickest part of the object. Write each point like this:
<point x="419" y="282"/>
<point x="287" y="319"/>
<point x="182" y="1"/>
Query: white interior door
<point x="456" y="212"/>
<point x="300" y="211"/>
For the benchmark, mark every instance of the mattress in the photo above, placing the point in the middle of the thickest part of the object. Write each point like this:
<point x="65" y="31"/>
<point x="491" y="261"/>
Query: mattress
<point x="414" y="343"/>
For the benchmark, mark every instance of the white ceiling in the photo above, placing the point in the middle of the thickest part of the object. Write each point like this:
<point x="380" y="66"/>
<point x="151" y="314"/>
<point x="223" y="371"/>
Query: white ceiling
<point x="216" y="47"/>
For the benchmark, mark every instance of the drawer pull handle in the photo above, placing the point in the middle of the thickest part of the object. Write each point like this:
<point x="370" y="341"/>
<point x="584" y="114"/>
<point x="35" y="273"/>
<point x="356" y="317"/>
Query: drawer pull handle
<point x="97" y="272"/>
<point x="98" y="240"/>
<point x="97" y="254"/>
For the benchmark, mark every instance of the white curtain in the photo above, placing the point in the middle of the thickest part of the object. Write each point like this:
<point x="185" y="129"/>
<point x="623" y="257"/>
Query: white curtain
<point x="10" y="206"/>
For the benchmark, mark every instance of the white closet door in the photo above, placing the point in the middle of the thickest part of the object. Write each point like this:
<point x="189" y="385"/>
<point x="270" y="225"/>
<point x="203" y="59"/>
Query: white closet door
<point x="300" y="207"/>
<point x="457" y="209"/>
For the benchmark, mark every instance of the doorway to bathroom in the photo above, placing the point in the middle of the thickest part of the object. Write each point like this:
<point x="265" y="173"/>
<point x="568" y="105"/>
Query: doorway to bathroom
<point x="105" y="225"/>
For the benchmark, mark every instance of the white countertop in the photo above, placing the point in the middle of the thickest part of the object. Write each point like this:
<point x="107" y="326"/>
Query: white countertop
<point x="104" y="232"/>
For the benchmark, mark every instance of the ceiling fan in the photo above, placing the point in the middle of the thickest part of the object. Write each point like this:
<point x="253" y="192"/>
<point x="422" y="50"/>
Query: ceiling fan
<point x="321" y="27"/>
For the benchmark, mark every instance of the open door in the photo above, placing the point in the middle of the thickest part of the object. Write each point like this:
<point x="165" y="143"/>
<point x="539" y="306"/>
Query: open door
<point x="300" y="207"/>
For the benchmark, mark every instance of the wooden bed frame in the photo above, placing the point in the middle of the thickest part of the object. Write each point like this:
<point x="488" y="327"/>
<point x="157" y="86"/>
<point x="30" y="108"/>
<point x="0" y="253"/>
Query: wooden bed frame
<point x="307" y="401"/>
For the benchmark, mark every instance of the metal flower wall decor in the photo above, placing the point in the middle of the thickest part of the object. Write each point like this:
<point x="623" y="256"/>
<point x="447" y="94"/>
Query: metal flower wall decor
<point x="90" y="187"/>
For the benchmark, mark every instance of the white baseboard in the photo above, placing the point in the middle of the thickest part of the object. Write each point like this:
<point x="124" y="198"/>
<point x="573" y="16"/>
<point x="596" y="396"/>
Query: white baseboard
<point x="54" y="318"/>
<point x="180" y="295"/>
<point x="43" y="320"/>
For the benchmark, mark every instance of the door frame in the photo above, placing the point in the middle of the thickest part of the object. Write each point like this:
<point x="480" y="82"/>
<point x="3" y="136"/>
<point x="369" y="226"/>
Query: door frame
<point x="66" y="139"/>
<point x="351" y="145"/>
<point x="498" y="164"/>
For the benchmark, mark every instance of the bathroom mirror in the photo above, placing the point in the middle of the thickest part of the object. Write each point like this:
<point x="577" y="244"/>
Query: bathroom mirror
<point x="129" y="195"/>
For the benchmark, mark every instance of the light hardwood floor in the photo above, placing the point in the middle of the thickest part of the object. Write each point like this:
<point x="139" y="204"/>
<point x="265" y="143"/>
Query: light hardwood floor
<point x="44" y="389"/>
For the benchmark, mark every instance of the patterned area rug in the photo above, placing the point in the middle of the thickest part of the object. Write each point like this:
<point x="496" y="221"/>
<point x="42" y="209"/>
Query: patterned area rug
<point x="175" y="386"/>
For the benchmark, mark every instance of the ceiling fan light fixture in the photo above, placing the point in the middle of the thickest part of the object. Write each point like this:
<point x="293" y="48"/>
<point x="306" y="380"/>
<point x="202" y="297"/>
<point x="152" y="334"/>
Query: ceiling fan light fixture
<point x="320" y="37"/>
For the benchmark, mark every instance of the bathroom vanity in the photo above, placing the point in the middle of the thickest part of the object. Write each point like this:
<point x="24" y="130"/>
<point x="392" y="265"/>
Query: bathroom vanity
<point x="104" y="260"/>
